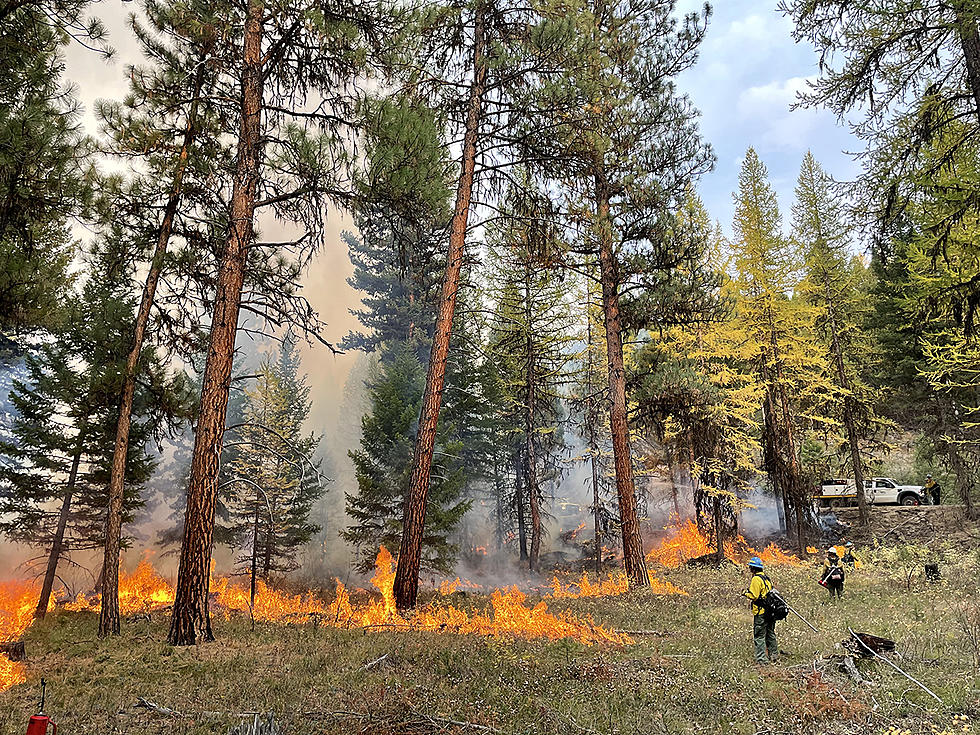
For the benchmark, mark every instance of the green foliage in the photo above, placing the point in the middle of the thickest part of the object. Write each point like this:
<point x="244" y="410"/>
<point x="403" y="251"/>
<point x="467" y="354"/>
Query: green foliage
<point x="383" y="468"/>
<point x="44" y="176"/>
<point x="67" y="408"/>
<point x="272" y="480"/>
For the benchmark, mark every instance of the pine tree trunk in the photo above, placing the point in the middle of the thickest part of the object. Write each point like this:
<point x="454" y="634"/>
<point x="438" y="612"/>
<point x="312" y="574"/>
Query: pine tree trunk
<point x="634" y="562"/>
<point x="590" y="430"/>
<point x="109" y="614"/>
<point x="406" y="586"/>
<point x="969" y="35"/>
<point x="786" y="459"/>
<point x="719" y="534"/>
<point x="849" y="423"/>
<point x="597" y="515"/>
<point x="191" y="621"/>
<point x="58" y="542"/>
<point x="267" y="557"/>
<point x="499" y="495"/>
<point x="255" y="557"/>
<point x="530" y="456"/>
<point x="519" y="507"/>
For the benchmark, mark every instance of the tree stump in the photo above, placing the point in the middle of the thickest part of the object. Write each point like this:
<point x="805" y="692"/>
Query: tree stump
<point x="14" y="650"/>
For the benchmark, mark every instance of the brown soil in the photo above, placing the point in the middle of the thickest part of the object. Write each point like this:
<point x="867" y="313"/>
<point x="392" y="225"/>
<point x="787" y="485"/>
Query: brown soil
<point x="926" y="525"/>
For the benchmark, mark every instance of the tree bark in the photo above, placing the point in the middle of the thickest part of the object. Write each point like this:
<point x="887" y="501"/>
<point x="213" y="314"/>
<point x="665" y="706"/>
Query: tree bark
<point x="590" y="430"/>
<point x="636" y="571"/>
<point x="109" y="614"/>
<point x="849" y="401"/>
<point x="719" y="534"/>
<point x="191" y="621"/>
<point x="519" y="507"/>
<point x="969" y="35"/>
<point x="406" y="584"/>
<point x="58" y="542"/>
<point x="530" y="456"/>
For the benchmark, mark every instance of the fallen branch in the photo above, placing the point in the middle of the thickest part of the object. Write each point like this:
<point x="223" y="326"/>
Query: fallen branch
<point x="374" y="663"/>
<point x="908" y="676"/>
<point x="159" y="709"/>
<point x="848" y="666"/>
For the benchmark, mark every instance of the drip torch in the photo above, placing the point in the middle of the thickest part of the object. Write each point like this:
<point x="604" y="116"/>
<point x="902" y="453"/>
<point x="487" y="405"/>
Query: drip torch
<point x="39" y="722"/>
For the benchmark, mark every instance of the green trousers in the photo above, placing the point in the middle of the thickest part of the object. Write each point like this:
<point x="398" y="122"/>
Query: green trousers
<point x="764" y="633"/>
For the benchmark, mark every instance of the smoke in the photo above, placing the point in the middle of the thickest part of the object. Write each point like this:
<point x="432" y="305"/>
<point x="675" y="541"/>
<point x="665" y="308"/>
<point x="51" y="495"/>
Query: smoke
<point x="763" y="520"/>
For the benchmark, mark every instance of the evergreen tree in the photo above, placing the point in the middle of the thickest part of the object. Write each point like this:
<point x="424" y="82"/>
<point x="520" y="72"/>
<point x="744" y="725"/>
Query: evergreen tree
<point x="832" y="285"/>
<point x="66" y="412"/>
<point x="383" y="468"/>
<point x="530" y="348"/>
<point x="695" y="385"/>
<point x="44" y="167"/>
<point x="288" y="54"/>
<point x="162" y="121"/>
<point x="626" y="144"/>
<point x="273" y="479"/>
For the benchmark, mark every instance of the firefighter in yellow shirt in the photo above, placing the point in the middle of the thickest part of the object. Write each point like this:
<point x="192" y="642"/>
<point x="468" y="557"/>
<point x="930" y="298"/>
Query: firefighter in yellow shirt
<point x="763" y="626"/>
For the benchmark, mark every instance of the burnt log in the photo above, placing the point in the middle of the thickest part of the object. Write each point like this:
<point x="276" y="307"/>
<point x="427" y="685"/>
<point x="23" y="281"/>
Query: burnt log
<point x="868" y="644"/>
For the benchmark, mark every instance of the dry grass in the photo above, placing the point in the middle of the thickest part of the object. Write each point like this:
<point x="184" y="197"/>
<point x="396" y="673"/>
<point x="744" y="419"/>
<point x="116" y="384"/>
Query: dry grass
<point x="700" y="679"/>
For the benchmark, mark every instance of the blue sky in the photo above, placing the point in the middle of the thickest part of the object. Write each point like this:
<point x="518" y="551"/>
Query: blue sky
<point x="744" y="83"/>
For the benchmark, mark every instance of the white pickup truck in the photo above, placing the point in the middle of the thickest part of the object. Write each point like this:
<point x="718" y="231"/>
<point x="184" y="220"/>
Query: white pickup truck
<point x="878" y="490"/>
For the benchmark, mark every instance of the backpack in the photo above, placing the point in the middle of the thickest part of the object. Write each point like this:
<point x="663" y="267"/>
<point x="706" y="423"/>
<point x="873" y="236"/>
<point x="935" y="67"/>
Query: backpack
<point x="835" y="575"/>
<point x="773" y="605"/>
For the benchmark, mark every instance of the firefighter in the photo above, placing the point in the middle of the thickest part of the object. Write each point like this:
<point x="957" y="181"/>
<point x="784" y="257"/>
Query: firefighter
<point x="849" y="559"/>
<point x="931" y="490"/>
<point x="763" y="626"/>
<point x="832" y="575"/>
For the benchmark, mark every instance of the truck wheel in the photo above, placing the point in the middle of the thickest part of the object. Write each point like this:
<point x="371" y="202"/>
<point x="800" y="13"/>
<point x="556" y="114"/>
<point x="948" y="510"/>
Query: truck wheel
<point x="908" y="500"/>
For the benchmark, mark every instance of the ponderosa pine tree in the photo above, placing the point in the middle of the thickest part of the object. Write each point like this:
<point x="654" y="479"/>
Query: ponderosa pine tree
<point x="416" y="499"/>
<point x="290" y="56"/>
<point x="161" y="123"/>
<point x="624" y="141"/>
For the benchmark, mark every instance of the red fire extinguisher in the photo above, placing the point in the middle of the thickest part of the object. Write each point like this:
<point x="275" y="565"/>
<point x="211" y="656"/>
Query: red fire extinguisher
<point x="39" y="722"/>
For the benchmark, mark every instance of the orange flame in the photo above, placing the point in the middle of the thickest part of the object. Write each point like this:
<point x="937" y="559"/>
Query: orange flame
<point x="140" y="592"/>
<point x="510" y="615"/>
<point x="614" y="584"/>
<point x="17" y="603"/>
<point x="686" y="541"/>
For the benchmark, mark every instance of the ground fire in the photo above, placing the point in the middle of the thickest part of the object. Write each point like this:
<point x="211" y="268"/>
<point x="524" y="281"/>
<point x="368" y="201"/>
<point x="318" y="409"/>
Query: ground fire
<point x="17" y="602"/>
<point x="145" y="590"/>
<point x="685" y="541"/>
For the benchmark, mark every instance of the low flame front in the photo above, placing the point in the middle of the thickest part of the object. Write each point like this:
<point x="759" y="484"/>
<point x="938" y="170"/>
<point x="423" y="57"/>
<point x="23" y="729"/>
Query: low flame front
<point x="686" y="541"/>
<point x="510" y="615"/>
<point x="614" y="584"/>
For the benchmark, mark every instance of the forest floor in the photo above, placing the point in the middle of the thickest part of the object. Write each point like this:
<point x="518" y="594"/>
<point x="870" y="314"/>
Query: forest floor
<point x="697" y="677"/>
